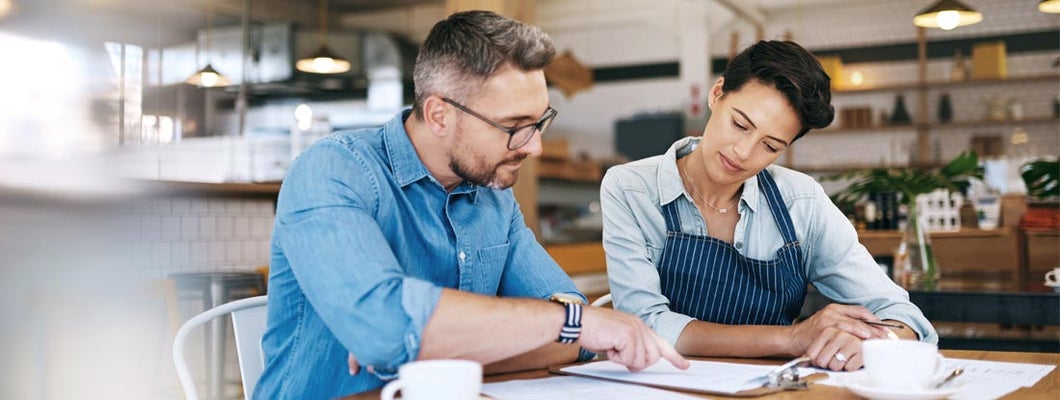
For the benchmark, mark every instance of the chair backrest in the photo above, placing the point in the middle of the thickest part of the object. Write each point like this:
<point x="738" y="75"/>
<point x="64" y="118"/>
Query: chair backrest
<point x="248" y="322"/>
<point x="602" y="301"/>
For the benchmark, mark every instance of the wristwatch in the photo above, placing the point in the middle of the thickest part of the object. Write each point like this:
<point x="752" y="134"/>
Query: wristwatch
<point x="572" y="324"/>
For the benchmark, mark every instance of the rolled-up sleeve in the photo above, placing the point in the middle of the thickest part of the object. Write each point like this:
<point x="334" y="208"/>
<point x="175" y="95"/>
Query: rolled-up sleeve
<point x="634" y="279"/>
<point x="842" y="269"/>
<point x="342" y="261"/>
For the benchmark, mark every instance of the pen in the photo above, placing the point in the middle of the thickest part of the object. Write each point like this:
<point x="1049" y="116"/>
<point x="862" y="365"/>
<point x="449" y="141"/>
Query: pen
<point x="885" y="324"/>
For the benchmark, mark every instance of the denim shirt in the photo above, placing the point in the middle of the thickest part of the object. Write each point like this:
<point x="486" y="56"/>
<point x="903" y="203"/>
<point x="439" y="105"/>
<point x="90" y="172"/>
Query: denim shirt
<point x="834" y="261"/>
<point x="364" y="241"/>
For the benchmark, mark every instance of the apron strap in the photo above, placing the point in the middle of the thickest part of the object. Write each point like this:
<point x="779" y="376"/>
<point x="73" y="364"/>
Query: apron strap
<point x="780" y="212"/>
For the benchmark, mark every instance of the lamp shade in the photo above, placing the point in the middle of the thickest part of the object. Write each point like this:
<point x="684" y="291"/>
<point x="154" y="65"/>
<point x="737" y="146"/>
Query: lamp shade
<point x="1049" y="6"/>
<point x="208" y="77"/>
<point x="947" y="14"/>
<point x="323" y="61"/>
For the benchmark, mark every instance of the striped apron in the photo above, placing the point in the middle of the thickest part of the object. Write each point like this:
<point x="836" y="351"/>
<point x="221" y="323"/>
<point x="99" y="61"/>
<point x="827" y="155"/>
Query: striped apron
<point x="707" y="279"/>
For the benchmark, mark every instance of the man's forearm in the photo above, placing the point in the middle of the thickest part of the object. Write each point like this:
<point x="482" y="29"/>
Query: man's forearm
<point x="489" y="329"/>
<point x="549" y="354"/>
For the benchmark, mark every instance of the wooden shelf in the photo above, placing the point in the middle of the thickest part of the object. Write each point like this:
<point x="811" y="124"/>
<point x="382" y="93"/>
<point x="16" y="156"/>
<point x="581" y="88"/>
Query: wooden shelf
<point x="220" y="189"/>
<point x="949" y="84"/>
<point x="938" y="125"/>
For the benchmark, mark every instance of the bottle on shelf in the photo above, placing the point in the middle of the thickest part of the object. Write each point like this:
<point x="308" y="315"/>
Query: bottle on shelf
<point x="960" y="71"/>
<point x="900" y="115"/>
<point x="945" y="108"/>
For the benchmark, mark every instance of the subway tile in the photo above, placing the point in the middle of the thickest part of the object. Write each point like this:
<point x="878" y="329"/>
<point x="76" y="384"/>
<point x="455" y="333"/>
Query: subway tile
<point x="170" y="228"/>
<point x="181" y="206"/>
<point x="161" y="207"/>
<point x="253" y="254"/>
<point x="189" y="227"/>
<point x="261" y="227"/>
<point x="181" y="255"/>
<point x="241" y="227"/>
<point x="200" y="207"/>
<point x="207" y="227"/>
<point x="233" y="252"/>
<point x="161" y="255"/>
<point x="217" y="206"/>
<point x="150" y="227"/>
<point x="200" y="254"/>
<point x="216" y="254"/>
<point x="224" y="228"/>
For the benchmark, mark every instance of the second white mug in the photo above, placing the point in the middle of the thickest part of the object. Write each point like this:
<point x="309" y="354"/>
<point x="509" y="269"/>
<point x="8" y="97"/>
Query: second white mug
<point x="902" y="364"/>
<point x="436" y="380"/>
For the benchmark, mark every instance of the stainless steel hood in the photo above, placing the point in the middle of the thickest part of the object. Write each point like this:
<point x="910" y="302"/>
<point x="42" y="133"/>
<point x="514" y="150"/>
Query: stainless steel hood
<point x="273" y="49"/>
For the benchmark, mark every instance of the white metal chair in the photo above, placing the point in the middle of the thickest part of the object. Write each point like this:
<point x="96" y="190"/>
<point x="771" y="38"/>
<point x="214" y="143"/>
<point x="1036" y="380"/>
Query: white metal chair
<point x="248" y="322"/>
<point x="602" y="301"/>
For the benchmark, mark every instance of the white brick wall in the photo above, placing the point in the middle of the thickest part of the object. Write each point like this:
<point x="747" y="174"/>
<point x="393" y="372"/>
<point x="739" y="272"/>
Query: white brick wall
<point x="183" y="234"/>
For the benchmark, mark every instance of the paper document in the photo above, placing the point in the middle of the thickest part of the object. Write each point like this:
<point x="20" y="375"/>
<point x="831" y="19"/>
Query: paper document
<point x="980" y="380"/>
<point x="575" y="388"/>
<point x="702" y="376"/>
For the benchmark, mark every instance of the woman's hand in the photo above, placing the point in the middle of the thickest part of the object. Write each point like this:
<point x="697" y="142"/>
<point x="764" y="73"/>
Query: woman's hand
<point x="832" y="337"/>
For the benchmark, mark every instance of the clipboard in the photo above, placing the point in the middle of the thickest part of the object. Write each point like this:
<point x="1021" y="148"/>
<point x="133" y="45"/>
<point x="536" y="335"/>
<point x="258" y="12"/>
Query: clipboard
<point x="784" y="377"/>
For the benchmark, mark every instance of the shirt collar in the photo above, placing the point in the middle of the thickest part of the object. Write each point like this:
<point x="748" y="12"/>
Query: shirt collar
<point x="403" y="159"/>
<point x="672" y="187"/>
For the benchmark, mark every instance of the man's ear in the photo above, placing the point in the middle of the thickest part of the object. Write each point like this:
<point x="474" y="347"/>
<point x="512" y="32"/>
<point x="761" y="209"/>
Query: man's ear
<point x="435" y="115"/>
<point x="715" y="93"/>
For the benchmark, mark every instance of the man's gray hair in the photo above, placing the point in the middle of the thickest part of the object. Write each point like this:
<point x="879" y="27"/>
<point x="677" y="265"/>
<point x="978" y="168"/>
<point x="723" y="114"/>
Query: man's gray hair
<point x="465" y="49"/>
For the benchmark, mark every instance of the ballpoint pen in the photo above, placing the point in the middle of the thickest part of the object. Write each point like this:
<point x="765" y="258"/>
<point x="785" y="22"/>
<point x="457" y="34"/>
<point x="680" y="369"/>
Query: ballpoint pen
<point x="885" y="324"/>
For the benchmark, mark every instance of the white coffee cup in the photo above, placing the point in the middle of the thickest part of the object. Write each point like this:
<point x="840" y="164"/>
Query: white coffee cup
<point x="902" y="364"/>
<point x="1051" y="276"/>
<point x="436" y="380"/>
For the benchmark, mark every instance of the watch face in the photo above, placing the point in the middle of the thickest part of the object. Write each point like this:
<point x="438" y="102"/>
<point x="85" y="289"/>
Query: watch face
<point x="566" y="298"/>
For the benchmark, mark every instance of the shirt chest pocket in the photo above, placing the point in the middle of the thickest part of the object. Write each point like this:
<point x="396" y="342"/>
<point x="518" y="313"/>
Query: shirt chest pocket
<point x="487" y="268"/>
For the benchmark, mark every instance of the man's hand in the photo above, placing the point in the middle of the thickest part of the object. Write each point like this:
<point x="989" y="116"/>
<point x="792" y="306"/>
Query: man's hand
<point x="832" y="337"/>
<point x="625" y="339"/>
<point x="351" y="361"/>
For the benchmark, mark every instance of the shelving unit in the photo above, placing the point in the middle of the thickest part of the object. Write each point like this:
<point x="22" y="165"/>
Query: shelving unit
<point x="919" y="136"/>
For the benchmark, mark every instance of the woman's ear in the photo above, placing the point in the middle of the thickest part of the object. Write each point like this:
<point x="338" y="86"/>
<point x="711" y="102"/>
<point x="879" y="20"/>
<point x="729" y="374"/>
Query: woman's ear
<point x="715" y="93"/>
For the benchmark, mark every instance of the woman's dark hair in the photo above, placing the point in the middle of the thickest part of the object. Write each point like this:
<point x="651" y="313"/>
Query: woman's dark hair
<point x="793" y="71"/>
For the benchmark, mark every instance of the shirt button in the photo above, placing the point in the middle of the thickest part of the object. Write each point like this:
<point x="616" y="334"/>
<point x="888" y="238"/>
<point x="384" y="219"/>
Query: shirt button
<point x="462" y="256"/>
<point x="739" y="245"/>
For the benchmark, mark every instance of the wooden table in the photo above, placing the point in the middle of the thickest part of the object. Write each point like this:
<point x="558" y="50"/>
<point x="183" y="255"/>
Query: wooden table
<point x="1047" y="388"/>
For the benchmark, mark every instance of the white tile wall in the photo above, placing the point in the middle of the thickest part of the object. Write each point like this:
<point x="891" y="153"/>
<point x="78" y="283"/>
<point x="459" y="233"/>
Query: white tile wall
<point x="193" y="234"/>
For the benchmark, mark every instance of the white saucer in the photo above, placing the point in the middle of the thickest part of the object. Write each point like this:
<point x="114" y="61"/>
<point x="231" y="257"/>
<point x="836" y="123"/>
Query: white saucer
<point x="1055" y="286"/>
<point x="861" y="388"/>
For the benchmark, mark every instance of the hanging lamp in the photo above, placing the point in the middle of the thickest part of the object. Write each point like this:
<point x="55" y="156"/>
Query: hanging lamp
<point x="208" y="76"/>
<point x="1049" y="6"/>
<point x="947" y="14"/>
<point x="323" y="61"/>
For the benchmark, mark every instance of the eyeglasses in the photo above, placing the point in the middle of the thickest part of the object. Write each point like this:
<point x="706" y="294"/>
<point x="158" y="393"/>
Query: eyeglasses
<point x="518" y="136"/>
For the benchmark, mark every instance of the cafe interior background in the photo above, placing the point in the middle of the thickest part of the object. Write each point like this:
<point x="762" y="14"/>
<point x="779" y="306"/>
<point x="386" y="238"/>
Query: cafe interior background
<point x="120" y="180"/>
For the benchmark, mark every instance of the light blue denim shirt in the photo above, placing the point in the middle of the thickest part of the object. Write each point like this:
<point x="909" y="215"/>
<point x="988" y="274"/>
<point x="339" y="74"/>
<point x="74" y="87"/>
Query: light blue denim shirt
<point x="835" y="262"/>
<point x="364" y="241"/>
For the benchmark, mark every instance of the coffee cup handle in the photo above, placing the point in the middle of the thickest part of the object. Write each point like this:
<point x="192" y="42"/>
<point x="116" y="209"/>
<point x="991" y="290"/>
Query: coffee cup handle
<point x="391" y="389"/>
<point x="940" y="368"/>
<point x="1050" y="277"/>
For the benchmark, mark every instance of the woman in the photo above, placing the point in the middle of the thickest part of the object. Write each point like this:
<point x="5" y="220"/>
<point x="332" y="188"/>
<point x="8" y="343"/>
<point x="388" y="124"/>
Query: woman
<point x="713" y="247"/>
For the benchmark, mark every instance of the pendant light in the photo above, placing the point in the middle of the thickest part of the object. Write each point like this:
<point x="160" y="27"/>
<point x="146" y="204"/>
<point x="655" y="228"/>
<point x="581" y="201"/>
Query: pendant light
<point x="1049" y="6"/>
<point x="208" y="76"/>
<point x="323" y="61"/>
<point x="947" y="14"/>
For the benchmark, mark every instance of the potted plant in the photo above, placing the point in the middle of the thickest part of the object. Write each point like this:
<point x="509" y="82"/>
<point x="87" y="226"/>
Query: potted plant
<point x="914" y="265"/>
<point x="1042" y="178"/>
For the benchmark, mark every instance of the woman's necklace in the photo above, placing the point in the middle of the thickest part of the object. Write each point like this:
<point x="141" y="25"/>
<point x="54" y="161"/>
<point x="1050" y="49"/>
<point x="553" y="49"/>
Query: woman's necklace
<point x="695" y="195"/>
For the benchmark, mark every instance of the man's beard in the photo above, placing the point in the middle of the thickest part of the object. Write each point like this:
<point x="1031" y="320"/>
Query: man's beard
<point x="487" y="177"/>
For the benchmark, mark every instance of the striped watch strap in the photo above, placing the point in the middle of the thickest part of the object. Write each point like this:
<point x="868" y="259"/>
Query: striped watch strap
<point x="572" y="326"/>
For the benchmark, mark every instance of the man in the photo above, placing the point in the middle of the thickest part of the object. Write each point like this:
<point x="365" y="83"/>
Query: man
<point x="404" y="242"/>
